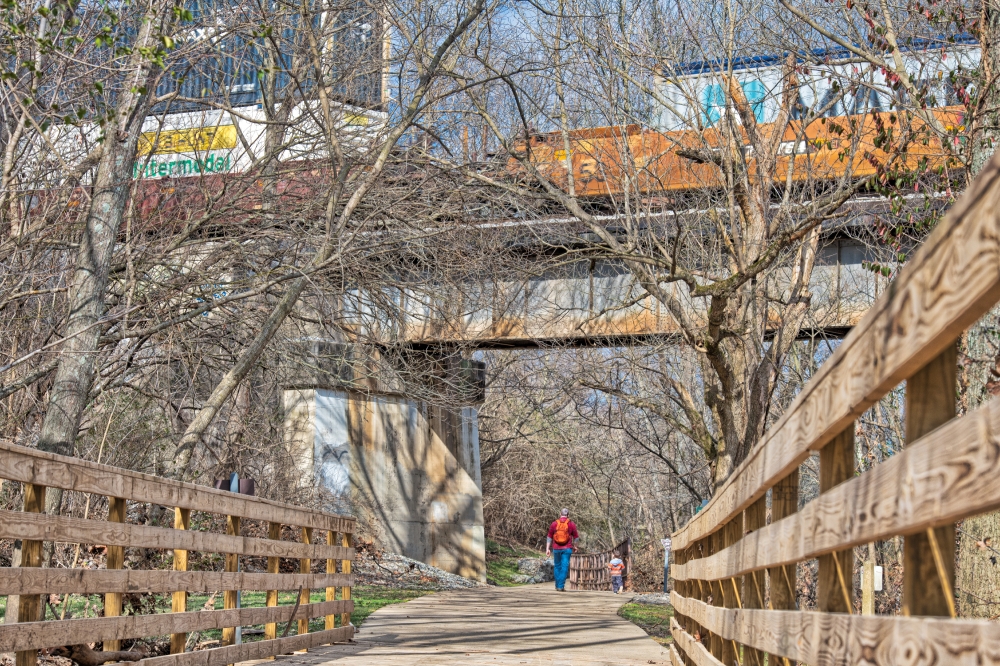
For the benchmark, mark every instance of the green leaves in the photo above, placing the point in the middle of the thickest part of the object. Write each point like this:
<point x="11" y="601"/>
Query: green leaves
<point x="880" y="269"/>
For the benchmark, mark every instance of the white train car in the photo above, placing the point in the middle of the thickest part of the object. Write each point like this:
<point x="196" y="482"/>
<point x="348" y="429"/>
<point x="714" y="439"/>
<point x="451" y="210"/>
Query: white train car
<point x="691" y="96"/>
<point x="215" y="141"/>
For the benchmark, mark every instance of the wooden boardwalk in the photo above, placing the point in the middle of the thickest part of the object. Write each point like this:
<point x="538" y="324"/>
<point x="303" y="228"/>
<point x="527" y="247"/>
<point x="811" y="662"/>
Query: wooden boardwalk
<point x="532" y="626"/>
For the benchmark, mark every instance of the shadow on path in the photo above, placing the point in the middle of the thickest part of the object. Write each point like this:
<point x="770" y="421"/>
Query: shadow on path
<point x="532" y="625"/>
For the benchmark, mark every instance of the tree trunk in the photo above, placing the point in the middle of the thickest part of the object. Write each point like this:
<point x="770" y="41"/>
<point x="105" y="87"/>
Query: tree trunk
<point x="112" y="183"/>
<point x="986" y="137"/>
<point x="978" y="566"/>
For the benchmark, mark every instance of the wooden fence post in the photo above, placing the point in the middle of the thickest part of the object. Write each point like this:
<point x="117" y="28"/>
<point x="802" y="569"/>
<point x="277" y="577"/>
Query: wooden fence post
<point x="929" y="583"/>
<point x="305" y="564"/>
<point x="835" y="585"/>
<point x="115" y="559"/>
<point x="686" y="588"/>
<point x="178" y="602"/>
<point x="868" y="587"/>
<point x="27" y="589"/>
<point x="715" y="590"/>
<point x="331" y="568"/>
<point x="232" y="566"/>
<point x="755" y="517"/>
<point x="29" y="605"/>
<point x="731" y="533"/>
<point x="784" y="502"/>
<point x="345" y="567"/>
<point x="704" y="591"/>
<point x="273" y="567"/>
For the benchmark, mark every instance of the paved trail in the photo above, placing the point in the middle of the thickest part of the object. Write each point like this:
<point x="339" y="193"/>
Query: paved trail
<point x="532" y="625"/>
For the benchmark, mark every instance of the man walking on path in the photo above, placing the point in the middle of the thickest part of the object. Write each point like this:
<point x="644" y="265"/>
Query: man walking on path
<point x="562" y="533"/>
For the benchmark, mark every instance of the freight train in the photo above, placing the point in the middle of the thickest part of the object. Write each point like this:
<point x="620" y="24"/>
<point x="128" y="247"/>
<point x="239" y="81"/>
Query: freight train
<point x="846" y="119"/>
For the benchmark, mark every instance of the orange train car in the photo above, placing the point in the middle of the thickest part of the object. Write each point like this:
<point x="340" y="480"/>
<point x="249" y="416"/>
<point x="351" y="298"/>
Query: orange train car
<point x="608" y="161"/>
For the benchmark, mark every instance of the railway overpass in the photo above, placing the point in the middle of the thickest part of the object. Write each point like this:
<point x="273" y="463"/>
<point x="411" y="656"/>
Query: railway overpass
<point x="411" y="466"/>
<point x="591" y="303"/>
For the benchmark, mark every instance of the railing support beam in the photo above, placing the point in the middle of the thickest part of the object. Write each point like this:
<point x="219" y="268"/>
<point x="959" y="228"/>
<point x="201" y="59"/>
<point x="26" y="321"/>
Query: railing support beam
<point x="781" y="580"/>
<point x="115" y="560"/>
<point x="331" y="592"/>
<point x="305" y="565"/>
<point x="754" y="586"/>
<point x="29" y="605"/>
<point x="345" y="592"/>
<point x="178" y="603"/>
<point x="930" y="402"/>
<point x="835" y="585"/>
<point x="232" y="564"/>
<point x="273" y="567"/>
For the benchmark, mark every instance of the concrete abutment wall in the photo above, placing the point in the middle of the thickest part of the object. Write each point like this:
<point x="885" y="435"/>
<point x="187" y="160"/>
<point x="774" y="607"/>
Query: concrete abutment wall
<point x="408" y="470"/>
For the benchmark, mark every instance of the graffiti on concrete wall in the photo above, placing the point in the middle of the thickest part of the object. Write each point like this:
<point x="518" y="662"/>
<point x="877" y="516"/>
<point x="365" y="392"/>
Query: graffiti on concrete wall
<point x="332" y="445"/>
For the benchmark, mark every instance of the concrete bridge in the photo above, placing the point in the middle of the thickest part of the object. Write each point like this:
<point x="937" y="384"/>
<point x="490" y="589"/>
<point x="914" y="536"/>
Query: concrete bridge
<point x="411" y="466"/>
<point x="591" y="303"/>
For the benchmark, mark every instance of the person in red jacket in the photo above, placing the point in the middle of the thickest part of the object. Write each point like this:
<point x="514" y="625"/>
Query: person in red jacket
<point x="559" y="544"/>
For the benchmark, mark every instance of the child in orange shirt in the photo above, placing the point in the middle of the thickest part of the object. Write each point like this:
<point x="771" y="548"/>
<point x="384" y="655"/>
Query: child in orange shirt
<point x="617" y="569"/>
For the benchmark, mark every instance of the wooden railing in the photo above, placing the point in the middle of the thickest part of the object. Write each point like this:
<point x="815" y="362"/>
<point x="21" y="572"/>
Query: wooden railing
<point x="735" y="576"/>
<point x="589" y="571"/>
<point x="25" y="584"/>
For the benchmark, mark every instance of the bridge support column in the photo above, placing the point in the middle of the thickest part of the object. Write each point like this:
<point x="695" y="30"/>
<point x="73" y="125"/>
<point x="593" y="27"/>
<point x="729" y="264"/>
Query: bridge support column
<point x="407" y="469"/>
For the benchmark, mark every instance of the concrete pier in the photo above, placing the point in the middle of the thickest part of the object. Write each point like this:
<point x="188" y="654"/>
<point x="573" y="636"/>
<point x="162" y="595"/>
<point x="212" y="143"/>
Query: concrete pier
<point x="409" y="471"/>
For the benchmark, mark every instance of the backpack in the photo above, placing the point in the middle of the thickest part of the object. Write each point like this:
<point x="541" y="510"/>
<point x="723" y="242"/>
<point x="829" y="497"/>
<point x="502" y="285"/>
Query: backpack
<point x="561" y="536"/>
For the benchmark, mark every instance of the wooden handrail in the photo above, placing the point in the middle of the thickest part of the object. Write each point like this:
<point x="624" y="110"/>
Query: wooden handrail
<point x="16" y="525"/>
<point x="947" y="471"/>
<point x="18" y="463"/>
<point x="39" y="470"/>
<point x="951" y="281"/>
<point x="959" y="472"/>
<point x="862" y="639"/>
<point x="26" y="636"/>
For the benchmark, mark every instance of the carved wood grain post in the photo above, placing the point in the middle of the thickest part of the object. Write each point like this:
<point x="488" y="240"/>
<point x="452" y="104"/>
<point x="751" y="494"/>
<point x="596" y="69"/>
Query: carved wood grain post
<point x="704" y="549"/>
<point x="305" y="565"/>
<point x="835" y="584"/>
<point x="754" y="518"/>
<point x="345" y="592"/>
<point x="29" y="605"/>
<point x="681" y="587"/>
<point x="178" y="603"/>
<point x="689" y="589"/>
<point x="784" y="502"/>
<point x="731" y="533"/>
<point x="331" y="568"/>
<point x="930" y="402"/>
<point x="715" y="591"/>
<point x="868" y="587"/>
<point x="115" y="559"/>
<point x="273" y="567"/>
<point x="232" y="566"/>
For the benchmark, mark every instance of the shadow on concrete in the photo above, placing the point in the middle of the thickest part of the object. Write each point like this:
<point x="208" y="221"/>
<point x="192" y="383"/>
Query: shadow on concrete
<point x="409" y="477"/>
